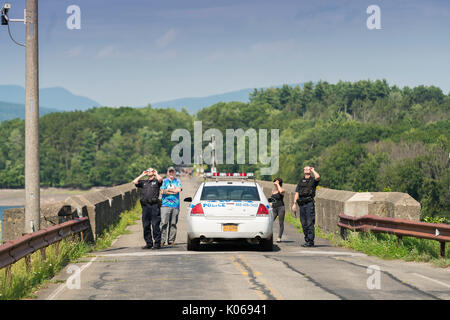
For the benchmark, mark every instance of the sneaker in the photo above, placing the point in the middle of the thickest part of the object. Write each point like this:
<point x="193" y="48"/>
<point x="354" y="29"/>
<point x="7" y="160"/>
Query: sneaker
<point x="279" y="240"/>
<point x="307" y="245"/>
<point x="172" y="243"/>
<point x="147" y="247"/>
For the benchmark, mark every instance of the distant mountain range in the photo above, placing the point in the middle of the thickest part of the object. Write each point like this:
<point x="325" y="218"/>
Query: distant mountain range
<point x="9" y="111"/>
<point x="55" y="99"/>
<point x="58" y="99"/>
<point x="195" y="104"/>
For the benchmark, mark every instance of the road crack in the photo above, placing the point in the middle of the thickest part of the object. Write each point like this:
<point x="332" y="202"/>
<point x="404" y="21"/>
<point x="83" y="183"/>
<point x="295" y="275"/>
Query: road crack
<point x="316" y="283"/>
<point x="262" y="290"/>
<point x="393" y="278"/>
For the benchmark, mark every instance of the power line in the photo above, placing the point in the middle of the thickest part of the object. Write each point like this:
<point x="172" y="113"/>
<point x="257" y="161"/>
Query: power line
<point x="10" y="35"/>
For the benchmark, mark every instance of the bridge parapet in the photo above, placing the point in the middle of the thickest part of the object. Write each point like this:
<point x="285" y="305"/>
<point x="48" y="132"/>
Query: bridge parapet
<point x="330" y="203"/>
<point x="103" y="207"/>
<point x="51" y="214"/>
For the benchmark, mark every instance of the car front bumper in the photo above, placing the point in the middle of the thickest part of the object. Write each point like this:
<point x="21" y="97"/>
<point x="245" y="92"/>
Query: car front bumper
<point x="200" y="227"/>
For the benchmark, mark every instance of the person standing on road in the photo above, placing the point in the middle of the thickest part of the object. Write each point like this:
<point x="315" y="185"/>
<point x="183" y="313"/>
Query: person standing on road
<point x="151" y="214"/>
<point x="170" y="207"/>
<point x="304" y="197"/>
<point x="278" y="206"/>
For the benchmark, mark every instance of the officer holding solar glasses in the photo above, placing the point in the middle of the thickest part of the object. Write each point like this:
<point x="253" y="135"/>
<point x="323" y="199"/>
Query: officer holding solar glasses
<point x="304" y="198"/>
<point x="151" y="213"/>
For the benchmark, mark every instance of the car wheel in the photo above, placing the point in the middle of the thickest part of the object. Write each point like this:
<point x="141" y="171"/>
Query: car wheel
<point x="193" y="244"/>
<point x="266" y="244"/>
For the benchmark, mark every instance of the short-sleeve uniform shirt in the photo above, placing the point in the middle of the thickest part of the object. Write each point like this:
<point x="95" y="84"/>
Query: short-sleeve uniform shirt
<point x="150" y="189"/>
<point x="307" y="187"/>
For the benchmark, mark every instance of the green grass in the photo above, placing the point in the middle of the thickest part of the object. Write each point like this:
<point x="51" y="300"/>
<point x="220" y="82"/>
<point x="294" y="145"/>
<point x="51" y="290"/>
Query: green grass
<point x="128" y="218"/>
<point x="384" y="245"/>
<point x="24" y="284"/>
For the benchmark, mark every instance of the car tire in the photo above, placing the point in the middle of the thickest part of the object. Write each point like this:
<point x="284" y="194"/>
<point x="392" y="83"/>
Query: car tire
<point x="193" y="244"/>
<point x="266" y="244"/>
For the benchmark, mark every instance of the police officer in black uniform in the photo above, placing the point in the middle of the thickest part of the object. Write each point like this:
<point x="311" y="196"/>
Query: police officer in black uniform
<point x="304" y="197"/>
<point x="151" y="214"/>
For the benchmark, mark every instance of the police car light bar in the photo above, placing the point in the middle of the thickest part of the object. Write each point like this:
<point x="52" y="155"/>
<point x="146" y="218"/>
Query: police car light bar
<point x="241" y="175"/>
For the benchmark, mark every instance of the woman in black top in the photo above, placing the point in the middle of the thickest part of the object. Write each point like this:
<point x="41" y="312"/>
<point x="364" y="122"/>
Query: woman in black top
<point x="278" y="205"/>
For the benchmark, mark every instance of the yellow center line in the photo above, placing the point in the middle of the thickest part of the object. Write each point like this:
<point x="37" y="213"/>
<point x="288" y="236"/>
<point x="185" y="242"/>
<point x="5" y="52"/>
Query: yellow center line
<point x="238" y="266"/>
<point x="245" y="274"/>
<point x="261" y="279"/>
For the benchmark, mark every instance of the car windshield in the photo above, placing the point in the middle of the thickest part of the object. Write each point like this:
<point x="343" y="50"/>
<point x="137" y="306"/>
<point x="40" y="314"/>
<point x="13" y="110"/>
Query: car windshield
<point x="230" y="193"/>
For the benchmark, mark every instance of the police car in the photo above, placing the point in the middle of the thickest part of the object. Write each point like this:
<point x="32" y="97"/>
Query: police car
<point x="229" y="206"/>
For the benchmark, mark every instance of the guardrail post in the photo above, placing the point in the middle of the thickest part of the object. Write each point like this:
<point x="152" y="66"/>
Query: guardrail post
<point x="443" y="249"/>
<point x="57" y="248"/>
<point x="343" y="232"/>
<point x="43" y="254"/>
<point x="8" y="276"/>
<point x="28" y="263"/>
<point x="399" y="240"/>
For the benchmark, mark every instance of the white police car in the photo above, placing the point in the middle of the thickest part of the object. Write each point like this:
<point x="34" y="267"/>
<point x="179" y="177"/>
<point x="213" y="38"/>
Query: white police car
<point x="229" y="206"/>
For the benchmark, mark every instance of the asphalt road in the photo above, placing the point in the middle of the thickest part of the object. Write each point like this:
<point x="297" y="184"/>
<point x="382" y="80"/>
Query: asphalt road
<point x="239" y="271"/>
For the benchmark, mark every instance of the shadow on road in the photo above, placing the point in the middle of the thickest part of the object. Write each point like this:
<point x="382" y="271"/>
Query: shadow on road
<point x="232" y="246"/>
<point x="113" y="249"/>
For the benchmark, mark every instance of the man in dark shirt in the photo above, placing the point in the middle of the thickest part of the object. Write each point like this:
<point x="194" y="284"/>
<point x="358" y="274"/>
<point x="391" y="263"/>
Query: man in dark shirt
<point x="304" y="197"/>
<point x="151" y="214"/>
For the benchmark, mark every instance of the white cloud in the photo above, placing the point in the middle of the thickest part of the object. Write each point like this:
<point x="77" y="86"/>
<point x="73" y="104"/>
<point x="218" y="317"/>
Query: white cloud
<point x="166" y="39"/>
<point x="278" y="49"/>
<point x="108" y="51"/>
<point x="158" y="55"/>
<point x="274" y="47"/>
<point x="74" y="52"/>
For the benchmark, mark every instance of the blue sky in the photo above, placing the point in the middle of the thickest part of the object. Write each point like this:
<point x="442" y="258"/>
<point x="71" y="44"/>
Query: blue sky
<point x="139" y="51"/>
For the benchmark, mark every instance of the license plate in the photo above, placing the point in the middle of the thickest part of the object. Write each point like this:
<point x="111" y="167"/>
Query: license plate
<point x="230" y="227"/>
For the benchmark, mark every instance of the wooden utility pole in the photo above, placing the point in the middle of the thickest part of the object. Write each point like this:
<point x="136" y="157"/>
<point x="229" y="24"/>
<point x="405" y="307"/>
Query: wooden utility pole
<point x="32" y="173"/>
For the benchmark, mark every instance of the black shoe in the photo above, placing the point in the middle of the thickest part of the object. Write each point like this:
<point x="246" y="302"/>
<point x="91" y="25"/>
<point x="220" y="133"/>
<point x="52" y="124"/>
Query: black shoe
<point x="307" y="245"/>
<point x="157" y="247"/>
<point x="147" y="247"/>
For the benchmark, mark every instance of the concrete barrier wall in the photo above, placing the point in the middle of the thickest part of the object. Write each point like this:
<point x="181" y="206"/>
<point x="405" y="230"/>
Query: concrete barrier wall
<point x="13" y="224"/>
<point x="103" y="208"/>
<point x="51" y="214"/>
<point x="330" y="203"/>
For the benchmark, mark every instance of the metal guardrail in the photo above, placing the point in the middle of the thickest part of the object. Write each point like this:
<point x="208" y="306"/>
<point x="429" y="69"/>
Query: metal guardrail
<point x="13" y="251"/>
<point x="400" y="227"/>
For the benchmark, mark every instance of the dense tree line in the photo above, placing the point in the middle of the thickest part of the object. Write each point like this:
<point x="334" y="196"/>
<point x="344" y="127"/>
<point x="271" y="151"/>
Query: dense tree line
<point x="361" y="136"/>
<point x="100" y="146"/>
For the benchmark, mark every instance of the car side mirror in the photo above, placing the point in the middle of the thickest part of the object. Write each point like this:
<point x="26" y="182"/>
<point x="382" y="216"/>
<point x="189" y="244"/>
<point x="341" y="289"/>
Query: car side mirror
<point x="271" y="200"/>
<point x="188" y="199"/>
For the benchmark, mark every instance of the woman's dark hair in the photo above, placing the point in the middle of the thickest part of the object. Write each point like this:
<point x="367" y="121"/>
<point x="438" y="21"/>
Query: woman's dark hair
<point x="280" y="181"/>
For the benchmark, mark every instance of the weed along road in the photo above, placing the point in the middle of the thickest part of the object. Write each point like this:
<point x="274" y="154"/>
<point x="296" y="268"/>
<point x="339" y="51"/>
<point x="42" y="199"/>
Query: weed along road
<point x="240" y="271"/>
